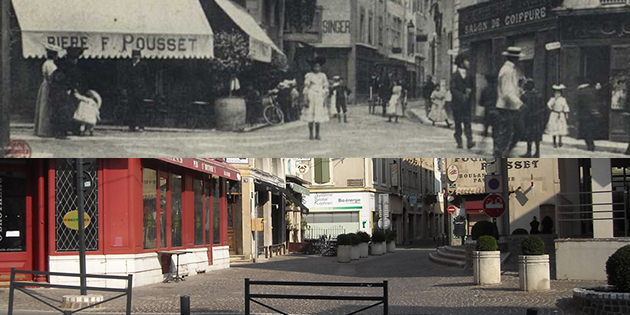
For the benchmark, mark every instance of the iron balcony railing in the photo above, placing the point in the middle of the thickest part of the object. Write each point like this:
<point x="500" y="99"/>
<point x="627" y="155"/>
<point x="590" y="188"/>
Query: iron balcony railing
<point x="576" y="212"/>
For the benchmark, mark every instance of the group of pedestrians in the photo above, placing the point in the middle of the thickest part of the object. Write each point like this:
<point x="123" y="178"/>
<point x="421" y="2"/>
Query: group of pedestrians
<point x="514" y="109"/>
<point x="66" y="105"/>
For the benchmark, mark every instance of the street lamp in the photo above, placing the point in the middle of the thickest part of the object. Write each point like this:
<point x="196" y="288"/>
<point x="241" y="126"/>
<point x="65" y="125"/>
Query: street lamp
<point x="411" y="26"/>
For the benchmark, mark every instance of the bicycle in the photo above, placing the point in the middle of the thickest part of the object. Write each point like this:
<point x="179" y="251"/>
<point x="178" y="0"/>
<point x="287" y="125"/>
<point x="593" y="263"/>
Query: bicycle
<point x="273" y="113"/>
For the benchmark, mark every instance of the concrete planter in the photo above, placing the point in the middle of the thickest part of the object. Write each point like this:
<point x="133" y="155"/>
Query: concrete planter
<point x="601" y="300"/>
<point x="377" y="249"/>
<point x="344" y="253"/>
<point x="364" y="250"/>
<point x="487" y="267"/>
<point x="391" y="247"/>
<point x="355" y="252"/>
<point x="533" y="273"/>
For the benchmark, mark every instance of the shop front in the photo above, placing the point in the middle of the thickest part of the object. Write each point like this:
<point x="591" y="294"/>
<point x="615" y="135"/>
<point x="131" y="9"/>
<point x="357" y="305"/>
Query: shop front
<point x="339" y="212"/>
<point x="175" y="42"/>
<point x="487" y="29"/>
<point x="137" y="211"/>
<point x="596" y="44"/>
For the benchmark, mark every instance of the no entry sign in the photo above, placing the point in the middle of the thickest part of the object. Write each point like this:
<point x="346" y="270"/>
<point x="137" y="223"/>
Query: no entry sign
<point x="452" y="209"/>
<point x="494" y="205"/>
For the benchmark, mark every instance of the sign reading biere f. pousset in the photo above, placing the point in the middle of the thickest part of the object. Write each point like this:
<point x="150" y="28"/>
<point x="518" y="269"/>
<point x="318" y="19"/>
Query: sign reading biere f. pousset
<point x="495" y="15"/>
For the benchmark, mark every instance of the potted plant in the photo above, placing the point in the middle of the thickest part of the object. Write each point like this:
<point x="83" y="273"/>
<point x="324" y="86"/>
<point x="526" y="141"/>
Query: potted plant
<point x="533" y="265"/>
<point x="378" y="238"/>
<point x="364" y="249"/>
<point x="231" y="50"/>
<point x="618" y="270"/>
<point x="344" y="248"/>
<point x="355" y="252"/>
<point x="486" y="261"/>
<point x="390" y="237"/>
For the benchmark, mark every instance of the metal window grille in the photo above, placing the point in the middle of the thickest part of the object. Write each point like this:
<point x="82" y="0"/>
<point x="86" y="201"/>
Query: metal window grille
<point x="66" y="201"/>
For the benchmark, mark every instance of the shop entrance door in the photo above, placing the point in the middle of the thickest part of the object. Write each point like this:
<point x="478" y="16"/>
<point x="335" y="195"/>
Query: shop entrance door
<point x="15" y="215"/>
<point x="596" y="66"/>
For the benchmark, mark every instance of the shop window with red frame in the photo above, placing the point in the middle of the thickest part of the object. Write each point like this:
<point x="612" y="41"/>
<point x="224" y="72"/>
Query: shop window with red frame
<point x="162" y="209"/>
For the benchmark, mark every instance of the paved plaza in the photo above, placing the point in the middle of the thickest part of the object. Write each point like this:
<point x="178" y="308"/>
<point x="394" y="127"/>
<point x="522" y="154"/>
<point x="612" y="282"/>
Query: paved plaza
<point x="416" y="286"/>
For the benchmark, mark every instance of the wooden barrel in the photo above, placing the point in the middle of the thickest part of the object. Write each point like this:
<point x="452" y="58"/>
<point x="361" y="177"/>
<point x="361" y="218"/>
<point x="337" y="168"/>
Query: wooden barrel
<point x="230" y="113"/>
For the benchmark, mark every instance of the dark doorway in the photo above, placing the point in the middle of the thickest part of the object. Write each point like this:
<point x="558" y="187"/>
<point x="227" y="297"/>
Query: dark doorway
<point x="595" y="65"/>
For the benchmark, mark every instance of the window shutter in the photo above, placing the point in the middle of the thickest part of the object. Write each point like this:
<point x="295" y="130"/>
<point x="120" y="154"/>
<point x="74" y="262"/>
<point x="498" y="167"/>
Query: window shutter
<point x="322" y="171"/>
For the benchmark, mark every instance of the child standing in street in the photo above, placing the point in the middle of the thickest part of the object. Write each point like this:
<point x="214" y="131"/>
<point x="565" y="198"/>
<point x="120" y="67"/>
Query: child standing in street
<point x="557" y="126"/>
<point x="339" y="91"/>
<point x="438" y="109"/>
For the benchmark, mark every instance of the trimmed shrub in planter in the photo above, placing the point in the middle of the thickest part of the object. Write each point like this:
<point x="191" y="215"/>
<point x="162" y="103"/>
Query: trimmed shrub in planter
<point x="482" y="228"/>
<point x="520" y="231"/>
<point x="363" y="247"/>
<point x="378" y="238"/>
<point x="344" y="248"/>
<point x="390" y="237"/>
<point x="533" y="265"/>
<point x="486" y="243"/>
<point x="486" y="261"/>
<point x="618" y="269"/>
<point x="533" y="245"/>
<point x="355" y="252"/>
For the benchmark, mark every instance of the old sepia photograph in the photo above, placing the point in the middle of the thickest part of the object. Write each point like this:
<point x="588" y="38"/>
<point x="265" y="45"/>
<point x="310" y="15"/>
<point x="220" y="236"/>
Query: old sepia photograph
<point x="499" y="78"/>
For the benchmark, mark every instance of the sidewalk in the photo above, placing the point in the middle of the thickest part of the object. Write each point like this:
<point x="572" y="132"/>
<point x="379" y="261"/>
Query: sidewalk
<point x="416" y="112"/>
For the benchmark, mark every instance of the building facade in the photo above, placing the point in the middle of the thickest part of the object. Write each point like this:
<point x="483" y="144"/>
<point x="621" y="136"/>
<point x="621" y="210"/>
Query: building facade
<point x="533" y="184"/>
<point x="137" y="210"/>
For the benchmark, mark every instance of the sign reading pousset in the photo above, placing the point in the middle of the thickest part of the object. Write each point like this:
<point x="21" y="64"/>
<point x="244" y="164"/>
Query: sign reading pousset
<point x="499" y="14"/>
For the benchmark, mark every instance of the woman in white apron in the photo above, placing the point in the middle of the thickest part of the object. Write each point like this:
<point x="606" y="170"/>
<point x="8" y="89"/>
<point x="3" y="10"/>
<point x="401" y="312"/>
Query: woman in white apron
<point x="316" y="91"/>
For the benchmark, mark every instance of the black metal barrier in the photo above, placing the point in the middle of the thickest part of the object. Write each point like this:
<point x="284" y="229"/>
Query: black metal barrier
<point x="21" y="286"/>
<point x="251" y="297"/>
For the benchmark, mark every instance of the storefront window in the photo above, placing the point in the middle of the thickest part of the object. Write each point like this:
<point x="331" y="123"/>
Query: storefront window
<point x="176" y="210"/>
<point x="208" y="212"/>
<point x="163" y="207"/>
<point x="149" y="196"/>
<point x="216" y="211"/>
<point x="198" y="190"/>
<point x="12" y="212"/>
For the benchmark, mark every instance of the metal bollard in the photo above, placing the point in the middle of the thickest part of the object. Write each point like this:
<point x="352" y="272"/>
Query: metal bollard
<point x="185" y="304"/>
<point x="532" y="311"/>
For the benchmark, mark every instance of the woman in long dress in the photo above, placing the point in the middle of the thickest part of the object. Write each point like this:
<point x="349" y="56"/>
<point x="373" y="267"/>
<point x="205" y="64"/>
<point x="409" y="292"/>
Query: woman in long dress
<point x="438" y="106"/>
<point x="557" y="126"/>
<point x="43" y="114"/>
<point x="316" y="91"/>
<point x="395" y="108"/>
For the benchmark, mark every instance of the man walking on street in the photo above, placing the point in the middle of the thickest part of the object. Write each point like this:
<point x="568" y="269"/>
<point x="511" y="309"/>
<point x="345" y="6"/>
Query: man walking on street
<point x="461" y="88"/>
<point x="588" y="104"/>
<point x="508" y="103"/>
<point x="136" y="90"/>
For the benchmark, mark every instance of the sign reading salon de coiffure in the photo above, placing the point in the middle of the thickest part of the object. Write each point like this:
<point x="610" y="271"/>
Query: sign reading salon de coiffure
<point x="496" y="15"/>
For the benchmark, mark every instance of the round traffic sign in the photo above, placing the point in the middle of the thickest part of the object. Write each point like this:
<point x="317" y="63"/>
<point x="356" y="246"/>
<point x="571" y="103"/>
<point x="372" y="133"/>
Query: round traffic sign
<point x="493" y="184"/>
<point x="452" y="173"/>
<point x="452" y="209"/>
<point x="385" y="225"/>
<point x="494" y="205"/>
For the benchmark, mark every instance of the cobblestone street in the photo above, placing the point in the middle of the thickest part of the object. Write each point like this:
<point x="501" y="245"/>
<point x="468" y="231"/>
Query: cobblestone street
<point x="416" y="286"/>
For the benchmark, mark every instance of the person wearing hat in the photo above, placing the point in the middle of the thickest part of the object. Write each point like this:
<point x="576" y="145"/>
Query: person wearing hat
<point x="43" y="114"/>
<point x="557" y="125"/>
<point x="462" y="86"/>
<point x="135" y="87"/>
<point x="385" y="91"/>
<point x="508" y="103"/>
<point x="339" y="91"/>
<point x="488" y="100"/>
<point x="316" y="90"/>
<point x="534" y="118"/>
<point x="66" y="81"/>
<point x="587" y="108"/>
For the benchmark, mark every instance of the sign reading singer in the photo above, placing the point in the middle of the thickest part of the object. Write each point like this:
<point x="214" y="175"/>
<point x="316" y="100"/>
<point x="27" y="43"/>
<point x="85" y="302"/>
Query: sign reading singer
<point x="494" y="206"/>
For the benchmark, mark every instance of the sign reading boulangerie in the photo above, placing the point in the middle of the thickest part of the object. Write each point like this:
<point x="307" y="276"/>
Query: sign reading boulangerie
<point x="495" y="15"/>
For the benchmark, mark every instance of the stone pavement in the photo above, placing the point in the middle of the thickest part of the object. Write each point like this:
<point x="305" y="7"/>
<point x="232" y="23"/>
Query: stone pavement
<point x="416" y="286"/>
<point x="416" y="112"/>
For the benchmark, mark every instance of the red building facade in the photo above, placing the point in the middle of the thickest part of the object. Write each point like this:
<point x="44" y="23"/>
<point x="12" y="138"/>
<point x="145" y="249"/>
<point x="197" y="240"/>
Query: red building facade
<point x="136" y="210"/>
